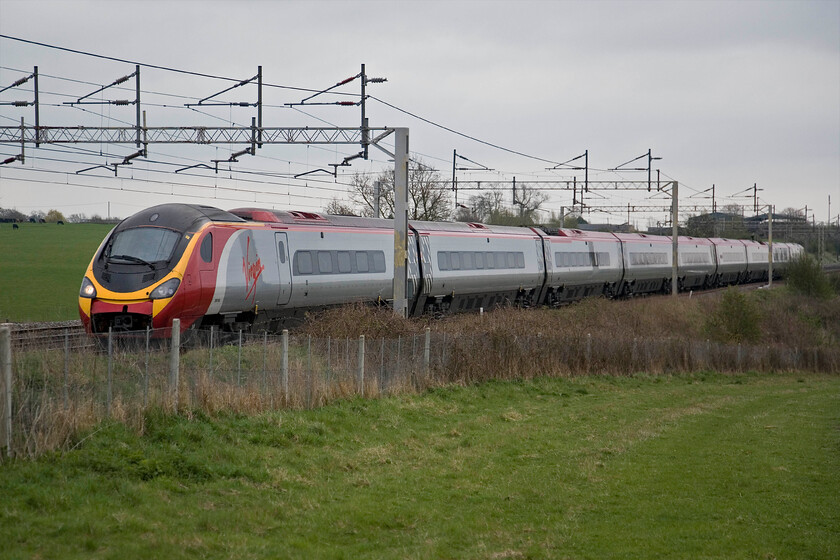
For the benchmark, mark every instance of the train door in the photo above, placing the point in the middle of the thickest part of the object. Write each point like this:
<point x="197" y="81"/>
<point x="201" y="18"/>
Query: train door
<point x="413" y="276"/>
<point x="207" y="267"/>
<point x="284" y="268"/>
<point x="425" y="276"/>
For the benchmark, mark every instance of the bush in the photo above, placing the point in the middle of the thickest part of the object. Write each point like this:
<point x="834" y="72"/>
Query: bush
<point x="834" y="282"/>
<point x="735" y="319"/>
<point x="805" y="276"/>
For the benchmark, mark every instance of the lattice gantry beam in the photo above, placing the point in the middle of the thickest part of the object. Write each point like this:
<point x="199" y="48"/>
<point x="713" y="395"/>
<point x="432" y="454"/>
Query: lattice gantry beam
<point x="564" y="185"/>
<point x="183" y="135"/>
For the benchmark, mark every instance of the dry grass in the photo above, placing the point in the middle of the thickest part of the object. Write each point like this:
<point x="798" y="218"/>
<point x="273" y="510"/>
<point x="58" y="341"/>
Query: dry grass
<point x="653" y="336"/>
<point x="782" y="318"/>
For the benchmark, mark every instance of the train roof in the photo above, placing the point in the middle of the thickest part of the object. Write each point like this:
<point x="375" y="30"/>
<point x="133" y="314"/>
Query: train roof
<point x="693" y="239"/>
<point x="579" y="234"/>
<point x="181" y="217"/>
<point x="309" y="218"/>
<point x="642" y="238"/>
<point x="725" y="241"/>
<point x="470" y="227"/>
<point x="331" y="220"/>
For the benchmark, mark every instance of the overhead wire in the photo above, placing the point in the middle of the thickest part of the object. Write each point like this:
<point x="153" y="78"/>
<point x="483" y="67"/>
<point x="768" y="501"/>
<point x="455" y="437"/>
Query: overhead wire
<point x="155" y="66"/>
<point x="293" y="88"/>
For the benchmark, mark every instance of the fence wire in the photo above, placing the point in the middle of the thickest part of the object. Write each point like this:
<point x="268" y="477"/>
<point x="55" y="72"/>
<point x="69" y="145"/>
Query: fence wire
<point x="68" y="385"/>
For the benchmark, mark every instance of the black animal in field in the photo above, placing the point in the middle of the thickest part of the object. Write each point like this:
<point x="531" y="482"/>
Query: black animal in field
<point x="15" y="226"/>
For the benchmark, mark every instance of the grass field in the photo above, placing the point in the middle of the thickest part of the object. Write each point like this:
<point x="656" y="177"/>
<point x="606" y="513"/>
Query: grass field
<point x="41" y="269"/>
<point x="700" y="466"/>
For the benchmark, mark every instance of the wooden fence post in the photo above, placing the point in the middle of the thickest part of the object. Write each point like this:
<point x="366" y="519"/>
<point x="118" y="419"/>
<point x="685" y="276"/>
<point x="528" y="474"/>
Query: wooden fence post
<point x="360" y="381"/>
<point x="285" y="367"/>
<point x="427" y="350"/>
<point x="6" y="400"/>
<point x="175" y="362"/>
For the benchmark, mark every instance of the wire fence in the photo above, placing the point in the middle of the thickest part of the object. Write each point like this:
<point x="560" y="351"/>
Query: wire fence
<point x="52" y="392"/>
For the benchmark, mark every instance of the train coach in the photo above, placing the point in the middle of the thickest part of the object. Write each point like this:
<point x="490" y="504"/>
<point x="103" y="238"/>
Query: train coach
<point x="257" y="269"/>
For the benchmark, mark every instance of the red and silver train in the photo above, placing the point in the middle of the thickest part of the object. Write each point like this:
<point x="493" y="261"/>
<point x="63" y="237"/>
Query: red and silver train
<point x="254" y="269"/>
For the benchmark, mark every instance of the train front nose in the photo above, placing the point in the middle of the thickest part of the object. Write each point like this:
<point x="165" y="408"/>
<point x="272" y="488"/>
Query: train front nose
<point x="120" y="316"/>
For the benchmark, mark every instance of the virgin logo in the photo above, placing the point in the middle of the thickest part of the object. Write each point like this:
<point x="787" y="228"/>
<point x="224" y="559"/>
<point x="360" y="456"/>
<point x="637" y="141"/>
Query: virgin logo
<point x="251" y="268"/>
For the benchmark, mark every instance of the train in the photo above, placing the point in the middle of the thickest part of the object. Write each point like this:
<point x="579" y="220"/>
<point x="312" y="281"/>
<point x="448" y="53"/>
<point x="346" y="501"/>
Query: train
<point x="253" y="269"/>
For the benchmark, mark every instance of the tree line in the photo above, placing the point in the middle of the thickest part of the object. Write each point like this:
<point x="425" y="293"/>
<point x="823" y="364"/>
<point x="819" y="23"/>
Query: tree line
<point x="51" y="216"/>
<point x="431" y="198"/>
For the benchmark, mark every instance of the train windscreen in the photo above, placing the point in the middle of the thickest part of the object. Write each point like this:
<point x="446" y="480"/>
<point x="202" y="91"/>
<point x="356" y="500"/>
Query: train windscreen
<point x="143" y="244"/>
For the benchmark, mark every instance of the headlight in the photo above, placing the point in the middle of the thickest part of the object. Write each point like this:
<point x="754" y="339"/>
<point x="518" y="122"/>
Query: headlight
<point x="88" y="290"/>
<point x="166" y="290"/>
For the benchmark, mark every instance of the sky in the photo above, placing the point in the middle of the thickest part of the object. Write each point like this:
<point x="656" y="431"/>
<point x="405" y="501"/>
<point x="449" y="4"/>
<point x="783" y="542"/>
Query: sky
<point x="730" y="94"/>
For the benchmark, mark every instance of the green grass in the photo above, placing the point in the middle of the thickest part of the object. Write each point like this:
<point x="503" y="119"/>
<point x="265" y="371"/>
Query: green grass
<point x="41" y="269"/>
<point x="703" y="466"/>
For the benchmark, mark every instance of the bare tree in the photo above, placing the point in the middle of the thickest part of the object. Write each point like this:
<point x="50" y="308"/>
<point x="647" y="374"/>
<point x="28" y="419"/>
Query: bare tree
<point x="569" y="220"/>
<point x="792" y="213"/>
<point x="340" y="208"/>
<point x="11" y="215"/>
<point x="490" y="207"/>
<point x="530" y="200"/>
<point x="429" y="196"/>
<point x="482" y="207"/>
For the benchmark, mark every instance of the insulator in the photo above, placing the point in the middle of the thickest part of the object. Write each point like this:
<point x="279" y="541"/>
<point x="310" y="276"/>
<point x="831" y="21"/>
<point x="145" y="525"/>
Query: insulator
<point x="345" y="103"/>
<point x="9" y="160"/>
<point x="21" y="81"/>
<point x="121" y="102"/>
<point x="244" y="104"/>
<point x="21" y="103"/>
<point x="121" y="80"/>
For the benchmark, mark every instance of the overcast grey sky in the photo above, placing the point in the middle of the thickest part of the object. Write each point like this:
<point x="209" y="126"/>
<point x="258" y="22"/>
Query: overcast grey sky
<point x="726" y="93"/>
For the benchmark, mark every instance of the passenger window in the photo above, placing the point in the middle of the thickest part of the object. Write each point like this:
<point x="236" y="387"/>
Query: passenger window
<point x="324" y="262"/>
<point x="520" y="260"/>
<point x="488" y="258"/>
<point x="500" y="259"/>
<point x="207" y="248"/>
<point x="344" y="262"/>
<point x="378" y="261"/>
<point x="455" y="257"/>
<point x="443" y="260"/>
<point x="479" y="260"/>
<point x="303" y="262"/>
<point x="362" y="261"/>
<point x="511" y="260"/>
<point x="467" y="261"/>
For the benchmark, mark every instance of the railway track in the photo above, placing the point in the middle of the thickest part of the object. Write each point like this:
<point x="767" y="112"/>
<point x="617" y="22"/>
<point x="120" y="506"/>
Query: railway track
<point x="832" y="268"/>
<point x="48" y="335"/>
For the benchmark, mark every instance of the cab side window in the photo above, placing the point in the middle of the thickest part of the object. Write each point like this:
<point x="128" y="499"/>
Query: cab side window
<point x="206" y="249"/>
